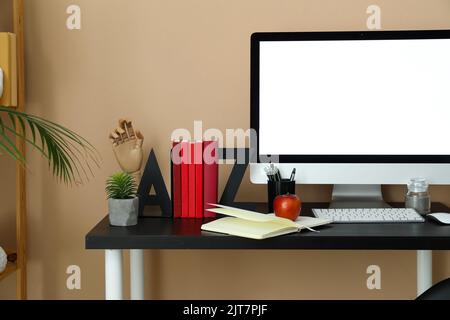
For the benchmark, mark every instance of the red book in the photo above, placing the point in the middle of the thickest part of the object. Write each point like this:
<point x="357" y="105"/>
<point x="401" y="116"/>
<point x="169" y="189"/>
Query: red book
<point x="191" y="191"/>
<point x="210" y="176"/>
<point x="184" y="179"/>
<point x="198" y="161"/>
<point x="176" y="179"/>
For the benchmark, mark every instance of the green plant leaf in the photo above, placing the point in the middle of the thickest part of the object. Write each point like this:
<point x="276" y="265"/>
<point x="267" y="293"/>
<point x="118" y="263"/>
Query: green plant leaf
<point x="70" y="156"/>
<point x="11" y="153"/>
<point x="12" y="145"/>
<point x="121" y="185"/>
<point x="33" y="131"/>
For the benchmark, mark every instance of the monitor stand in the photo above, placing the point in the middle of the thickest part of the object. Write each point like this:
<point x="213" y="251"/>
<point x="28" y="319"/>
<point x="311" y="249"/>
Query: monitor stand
<point x="357" y="196"/>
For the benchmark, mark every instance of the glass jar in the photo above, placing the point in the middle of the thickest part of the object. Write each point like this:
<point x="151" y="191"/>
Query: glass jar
<point x="418" y="197"/>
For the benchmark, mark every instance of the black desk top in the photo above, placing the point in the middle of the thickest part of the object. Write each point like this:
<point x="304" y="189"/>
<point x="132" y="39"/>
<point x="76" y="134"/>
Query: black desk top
<point x="166" y="233"/>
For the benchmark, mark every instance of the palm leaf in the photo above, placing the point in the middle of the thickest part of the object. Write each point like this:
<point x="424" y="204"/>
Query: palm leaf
<point x="68" y="153"/>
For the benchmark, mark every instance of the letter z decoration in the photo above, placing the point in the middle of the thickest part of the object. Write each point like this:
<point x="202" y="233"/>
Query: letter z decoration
<point x="242" y="157"/>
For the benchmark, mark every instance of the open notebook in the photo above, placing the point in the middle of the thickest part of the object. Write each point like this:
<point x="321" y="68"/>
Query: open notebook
<point x="255" y="225"/>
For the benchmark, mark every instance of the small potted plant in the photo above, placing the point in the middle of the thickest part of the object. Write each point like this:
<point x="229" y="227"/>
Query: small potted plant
<point x="123" y="203"/>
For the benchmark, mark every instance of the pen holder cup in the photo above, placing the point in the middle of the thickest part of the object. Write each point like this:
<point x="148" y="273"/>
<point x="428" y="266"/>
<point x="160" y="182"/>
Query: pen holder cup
<point x="276" y="188"/>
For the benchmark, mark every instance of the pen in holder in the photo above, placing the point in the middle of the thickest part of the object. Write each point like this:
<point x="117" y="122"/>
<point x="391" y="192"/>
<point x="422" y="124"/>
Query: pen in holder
<point x="276" y="188"/>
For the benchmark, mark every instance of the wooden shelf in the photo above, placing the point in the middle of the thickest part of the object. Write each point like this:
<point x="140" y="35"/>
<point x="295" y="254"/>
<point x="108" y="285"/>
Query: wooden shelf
<point x="20" y="265"/>
<point x="10" y="268"/>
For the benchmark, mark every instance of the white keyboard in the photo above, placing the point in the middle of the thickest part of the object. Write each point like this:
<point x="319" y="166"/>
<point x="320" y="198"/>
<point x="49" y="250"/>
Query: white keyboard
<point x="378" y="215"/>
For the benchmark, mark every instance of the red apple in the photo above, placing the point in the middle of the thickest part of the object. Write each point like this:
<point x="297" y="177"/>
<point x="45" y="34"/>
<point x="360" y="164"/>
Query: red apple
<point x="287" y="206"/>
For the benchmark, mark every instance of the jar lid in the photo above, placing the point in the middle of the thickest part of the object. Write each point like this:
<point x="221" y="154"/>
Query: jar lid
<point x="418" y="185"/>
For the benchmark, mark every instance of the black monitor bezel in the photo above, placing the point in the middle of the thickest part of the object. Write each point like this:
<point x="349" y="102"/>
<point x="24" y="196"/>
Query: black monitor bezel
<point x="257" y="37"/>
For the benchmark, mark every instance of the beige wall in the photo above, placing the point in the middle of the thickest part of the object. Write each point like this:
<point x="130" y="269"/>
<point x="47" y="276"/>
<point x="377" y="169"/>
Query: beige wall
<point x="166" y="63"/>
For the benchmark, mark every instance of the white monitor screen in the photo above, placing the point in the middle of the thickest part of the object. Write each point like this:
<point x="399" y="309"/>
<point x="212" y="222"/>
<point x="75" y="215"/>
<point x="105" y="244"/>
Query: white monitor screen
<point x="355" y="97"/>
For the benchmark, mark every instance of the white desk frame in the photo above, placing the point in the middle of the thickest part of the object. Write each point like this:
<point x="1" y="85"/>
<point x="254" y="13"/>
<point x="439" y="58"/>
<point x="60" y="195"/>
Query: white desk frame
<point x="114" y="273"/>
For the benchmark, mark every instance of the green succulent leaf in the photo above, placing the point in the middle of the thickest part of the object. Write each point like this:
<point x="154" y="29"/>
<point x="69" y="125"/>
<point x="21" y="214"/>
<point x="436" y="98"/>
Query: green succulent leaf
<point x="121" y="185"/>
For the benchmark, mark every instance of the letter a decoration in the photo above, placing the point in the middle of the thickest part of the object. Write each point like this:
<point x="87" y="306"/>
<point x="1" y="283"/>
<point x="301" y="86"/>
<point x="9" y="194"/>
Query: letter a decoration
<point x="152" y="177"/>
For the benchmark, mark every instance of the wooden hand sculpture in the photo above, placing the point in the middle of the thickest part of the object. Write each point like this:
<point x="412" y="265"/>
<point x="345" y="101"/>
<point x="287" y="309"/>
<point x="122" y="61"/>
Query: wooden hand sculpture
<point x="127" y="147"/>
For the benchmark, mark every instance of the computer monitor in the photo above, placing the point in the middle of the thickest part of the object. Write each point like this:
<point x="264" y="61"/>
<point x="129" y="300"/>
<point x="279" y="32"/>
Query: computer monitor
<point x="352" y="108"/>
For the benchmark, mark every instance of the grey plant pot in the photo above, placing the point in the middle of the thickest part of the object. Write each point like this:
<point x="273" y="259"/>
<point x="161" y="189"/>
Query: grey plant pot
<point x="123" y="212"/>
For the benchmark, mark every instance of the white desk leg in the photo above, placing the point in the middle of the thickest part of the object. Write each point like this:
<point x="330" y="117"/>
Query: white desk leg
<point x="137" y="274"/>
<point x="424" y="270"/>
<point x="113" y="275"/>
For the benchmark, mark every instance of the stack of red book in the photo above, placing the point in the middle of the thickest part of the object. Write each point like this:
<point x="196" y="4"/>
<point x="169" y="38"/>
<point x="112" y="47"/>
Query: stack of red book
<point x="194" y="178"/>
